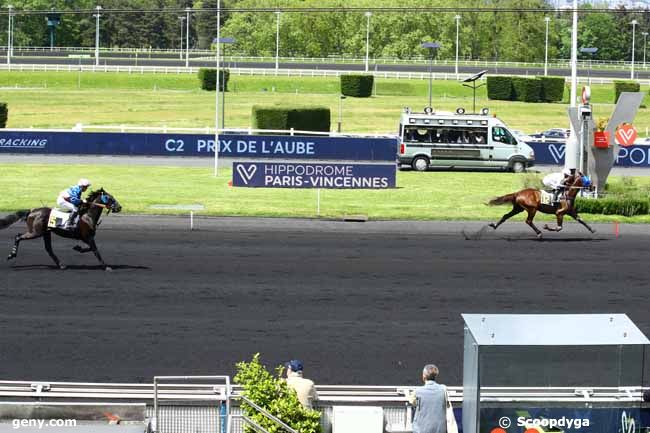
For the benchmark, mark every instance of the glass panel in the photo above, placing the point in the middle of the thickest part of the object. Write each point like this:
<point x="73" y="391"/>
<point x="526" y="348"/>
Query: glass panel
<point x="561" y="366"/>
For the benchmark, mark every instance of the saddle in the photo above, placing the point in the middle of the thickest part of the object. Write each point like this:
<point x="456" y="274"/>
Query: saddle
<point x="59" y="220"/>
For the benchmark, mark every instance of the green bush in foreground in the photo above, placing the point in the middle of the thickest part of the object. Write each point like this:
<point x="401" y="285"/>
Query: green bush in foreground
<point x="527" y="89"/>
<point x="499" y="87"/>
<point x="272" y="394"/>
<point x="625" y="86"/>
<point x="4" y="114"/>
<point x="285" y="118"/>
<point x="208" y="79"/>
<point x="358" y="86"/>
<point x="624" y="206"/>
<point x="552" y="89"/>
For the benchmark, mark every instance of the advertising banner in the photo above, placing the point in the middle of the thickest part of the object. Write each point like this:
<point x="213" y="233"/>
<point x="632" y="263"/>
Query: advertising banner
<point x="296" y="175"/>
<point x="249" y="146"/>
<point x="553" y="153"/>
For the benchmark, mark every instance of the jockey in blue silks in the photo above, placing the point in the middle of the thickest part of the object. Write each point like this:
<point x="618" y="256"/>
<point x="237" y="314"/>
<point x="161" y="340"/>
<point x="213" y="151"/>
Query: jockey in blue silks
<point x="70" y="199"/>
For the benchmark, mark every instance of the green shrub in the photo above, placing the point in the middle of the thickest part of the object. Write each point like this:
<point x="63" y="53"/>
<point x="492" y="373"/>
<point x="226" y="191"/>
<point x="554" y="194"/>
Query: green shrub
<point x="625" y="86"/>
<point x="269" y="117"/>
<point x="552" y="89"/>
<point x="4" y="114"/>
<point x="208" y="79"/>
<point x="499" y="87"/>
<point x="272" y="394"/>
<point x="300" y="118"/>
<point x="624" y="206"/>
<point x="526" y="89"/>
<point x="359" y="86"/>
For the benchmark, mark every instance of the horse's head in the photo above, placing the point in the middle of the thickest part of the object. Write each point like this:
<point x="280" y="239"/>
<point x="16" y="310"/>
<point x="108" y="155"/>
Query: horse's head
<point x="102" y="197"/>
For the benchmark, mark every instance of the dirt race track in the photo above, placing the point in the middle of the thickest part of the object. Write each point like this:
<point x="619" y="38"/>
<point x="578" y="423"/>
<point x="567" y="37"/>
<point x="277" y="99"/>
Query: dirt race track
<point x="359" y="303"/>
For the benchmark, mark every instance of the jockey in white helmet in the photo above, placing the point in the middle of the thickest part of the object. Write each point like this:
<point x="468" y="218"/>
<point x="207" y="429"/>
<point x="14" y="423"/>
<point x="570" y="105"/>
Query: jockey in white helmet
<point x="556" y="182"/>
<point x="70" y="199"/>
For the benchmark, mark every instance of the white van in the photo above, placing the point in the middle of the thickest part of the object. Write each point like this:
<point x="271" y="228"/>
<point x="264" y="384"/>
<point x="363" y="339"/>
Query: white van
<point x="459" y="140"/>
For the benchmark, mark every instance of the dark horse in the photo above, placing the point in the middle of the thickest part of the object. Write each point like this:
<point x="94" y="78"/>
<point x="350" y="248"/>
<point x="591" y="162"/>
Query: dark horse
<point x="37" y="225"/>
<point x="530" y="200"/>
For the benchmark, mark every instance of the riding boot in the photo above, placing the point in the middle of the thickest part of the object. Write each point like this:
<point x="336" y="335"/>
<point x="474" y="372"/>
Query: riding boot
<point x="70" y="224"/>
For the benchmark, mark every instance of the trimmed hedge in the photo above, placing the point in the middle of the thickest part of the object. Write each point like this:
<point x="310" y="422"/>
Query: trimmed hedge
<point x="625" y="206"/>
<point x="552" y="89"/>
<point x="526" y="89"/>
<point x="537" y="89"/>
<point x="358" y="86"/>
<point x="300" y="118"/>
<point x="208" y="79"/>
<point x="625" y="86"/>
<point x="4" y="114"/>
<point x="499" y="87"/>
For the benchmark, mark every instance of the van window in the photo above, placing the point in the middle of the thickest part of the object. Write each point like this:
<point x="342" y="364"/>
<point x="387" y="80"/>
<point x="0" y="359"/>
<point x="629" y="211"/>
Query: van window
<point x="445" y="135"/>
<point x="502" y="135"/>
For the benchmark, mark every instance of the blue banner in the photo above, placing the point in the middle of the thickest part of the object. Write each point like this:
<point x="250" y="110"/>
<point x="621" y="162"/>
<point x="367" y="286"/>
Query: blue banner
<point x="553" y="153"/>
<point x="295" y="175"/>
<point x="250" y="146"/>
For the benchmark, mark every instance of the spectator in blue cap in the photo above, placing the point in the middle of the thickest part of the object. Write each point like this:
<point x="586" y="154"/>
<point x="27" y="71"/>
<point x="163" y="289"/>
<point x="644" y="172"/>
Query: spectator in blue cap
<point x="304" y="388"/>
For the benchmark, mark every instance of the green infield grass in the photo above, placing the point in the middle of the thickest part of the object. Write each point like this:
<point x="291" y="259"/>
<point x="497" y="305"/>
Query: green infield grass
<point x="419" y="196"/>
<point x="63" y="99"/>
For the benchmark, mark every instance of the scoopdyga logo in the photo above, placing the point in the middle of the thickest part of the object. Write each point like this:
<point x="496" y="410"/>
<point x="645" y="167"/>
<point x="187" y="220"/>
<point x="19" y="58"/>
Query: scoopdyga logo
<point x="246" y="172"/>
<point x="529" y="424"/>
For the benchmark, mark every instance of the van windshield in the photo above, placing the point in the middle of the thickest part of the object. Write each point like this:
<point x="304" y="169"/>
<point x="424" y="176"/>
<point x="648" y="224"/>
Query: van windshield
<point x="445" y="134"/>
<point x="502" y="135"/>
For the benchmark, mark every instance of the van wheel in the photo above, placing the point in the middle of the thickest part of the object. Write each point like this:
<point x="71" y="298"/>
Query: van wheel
<point x="420" y="163"/>
<point x="518" y="167"/>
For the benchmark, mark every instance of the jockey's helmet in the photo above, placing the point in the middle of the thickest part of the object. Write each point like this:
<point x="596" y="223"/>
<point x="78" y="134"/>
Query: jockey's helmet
<point x="566" y="172"/>
<point x="83" y="182"/>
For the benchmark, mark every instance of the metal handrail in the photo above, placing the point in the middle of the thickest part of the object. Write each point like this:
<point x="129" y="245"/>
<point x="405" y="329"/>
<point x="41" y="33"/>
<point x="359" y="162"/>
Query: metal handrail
<point x="268" y="415"/>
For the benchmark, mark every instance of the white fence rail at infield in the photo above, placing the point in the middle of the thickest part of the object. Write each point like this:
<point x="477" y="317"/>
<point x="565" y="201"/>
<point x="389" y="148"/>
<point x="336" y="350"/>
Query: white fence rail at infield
<point x="284" y="72"/>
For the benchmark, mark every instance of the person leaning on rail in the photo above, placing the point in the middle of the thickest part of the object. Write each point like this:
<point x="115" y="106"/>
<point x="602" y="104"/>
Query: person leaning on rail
<point x="430" y="402"/>
<point x="305" y="388"/>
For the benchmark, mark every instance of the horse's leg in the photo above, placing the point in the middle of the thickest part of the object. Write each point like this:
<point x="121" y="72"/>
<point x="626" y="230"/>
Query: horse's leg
<point x="559" y="216"/>
<point x="529" y="221"/>
<point x="80" y="249"/>
<point x="23" y="237"/>
<point x="515" y="210"/>
<point x="93" y="247"/>
<point x="576" y="217"/>
<point x="47" y="240"/>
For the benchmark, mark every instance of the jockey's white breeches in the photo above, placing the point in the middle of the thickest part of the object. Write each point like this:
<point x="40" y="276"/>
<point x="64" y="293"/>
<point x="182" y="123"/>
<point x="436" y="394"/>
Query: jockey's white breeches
<point x="65" y="205"/>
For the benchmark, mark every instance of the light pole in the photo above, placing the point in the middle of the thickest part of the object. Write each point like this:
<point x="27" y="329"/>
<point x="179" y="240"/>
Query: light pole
<point x="97" y="15"/>
<point x="223" y="94"/>
<point x="9" y="33"/>
<point x="645" y="42"/>
<point x="368" y="15"/>
<point x="341" y="98"/>
<point x="457" y="18"/>
<point x="216" y="94"/>
<point x="571" y="153"/>
<point x="277" y="42"/>
<point x="180" y="51"/>
<point x="634" y="23"/>
<point x="431" y="46"/>
<point x="591" y="52"/>
<point x="547" y="20"/>
<point x="187" y="37"/>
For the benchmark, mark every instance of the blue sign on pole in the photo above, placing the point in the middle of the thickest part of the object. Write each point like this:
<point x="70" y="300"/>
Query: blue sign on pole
<point x="308" y="175"/>
<point x="242" y="146"/>
<point x="553" y="153"/>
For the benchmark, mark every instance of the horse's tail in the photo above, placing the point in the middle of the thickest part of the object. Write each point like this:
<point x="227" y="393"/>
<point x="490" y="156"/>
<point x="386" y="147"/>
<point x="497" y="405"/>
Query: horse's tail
<point x="508" y="198"/>
<point x="13" y="218"/>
